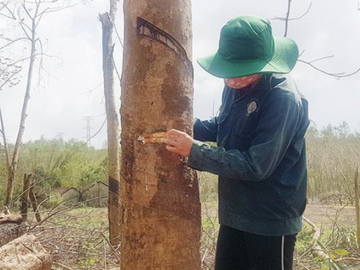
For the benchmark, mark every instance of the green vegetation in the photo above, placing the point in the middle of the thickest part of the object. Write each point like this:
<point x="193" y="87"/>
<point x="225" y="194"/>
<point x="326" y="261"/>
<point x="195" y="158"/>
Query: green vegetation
<point x="333" y="156"/>
<point x="56" y="164"/>
<point x="332" y="160"/>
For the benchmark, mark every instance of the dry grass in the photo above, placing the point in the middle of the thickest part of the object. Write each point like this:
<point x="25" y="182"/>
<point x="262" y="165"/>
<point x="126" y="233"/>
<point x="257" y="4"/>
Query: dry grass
<point x="78" y="239"/>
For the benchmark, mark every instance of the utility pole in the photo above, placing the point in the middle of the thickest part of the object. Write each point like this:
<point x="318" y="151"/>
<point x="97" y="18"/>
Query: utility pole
<point x="88" y="128"/>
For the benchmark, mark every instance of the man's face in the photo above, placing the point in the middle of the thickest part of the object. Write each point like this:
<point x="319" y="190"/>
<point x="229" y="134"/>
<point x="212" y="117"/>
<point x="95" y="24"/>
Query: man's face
<point x="242" y="82"/>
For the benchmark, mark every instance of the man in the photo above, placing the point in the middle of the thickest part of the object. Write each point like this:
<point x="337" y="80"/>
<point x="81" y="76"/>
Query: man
<point x="260" y="154"/>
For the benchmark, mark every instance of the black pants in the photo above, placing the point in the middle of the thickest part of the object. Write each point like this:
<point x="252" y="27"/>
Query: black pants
<point x="238" y="250"/>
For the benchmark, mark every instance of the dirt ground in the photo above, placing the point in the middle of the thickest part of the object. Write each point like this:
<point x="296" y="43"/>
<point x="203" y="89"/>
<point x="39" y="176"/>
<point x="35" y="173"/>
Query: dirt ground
<point x="326" y="214"/>
<point x="81" y="241"/>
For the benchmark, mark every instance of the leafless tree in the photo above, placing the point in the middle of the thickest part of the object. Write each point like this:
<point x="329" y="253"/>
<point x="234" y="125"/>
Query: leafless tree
<point x="107" y="21"/>
<point x="27" y="15"/>
<point x="310" y="63"/>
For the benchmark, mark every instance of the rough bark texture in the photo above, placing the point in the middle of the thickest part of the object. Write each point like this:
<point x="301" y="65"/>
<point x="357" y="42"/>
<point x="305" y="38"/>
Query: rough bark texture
<point x="107" y="21"/>
<point x="159" y="193"/>
<point x="34" y="203"/>
<point x="11" y="227"/>
<point x="25" y="196"/>
<point x="24" y="253"/>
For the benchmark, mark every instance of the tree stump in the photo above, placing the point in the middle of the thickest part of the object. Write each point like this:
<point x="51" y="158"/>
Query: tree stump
<point x="25" y="253"/>
<point x="11" y="227"/>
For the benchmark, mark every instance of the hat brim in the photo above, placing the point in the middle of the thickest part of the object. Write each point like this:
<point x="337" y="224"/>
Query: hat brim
<point x="283" y="61"/>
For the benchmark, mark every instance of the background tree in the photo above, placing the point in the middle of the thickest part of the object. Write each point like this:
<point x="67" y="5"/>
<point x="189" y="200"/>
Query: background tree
<point x="287" y="20"/>
<point x="27" y="15"/>
<point x="160" y="226"/>
<point x="107" y="21"/>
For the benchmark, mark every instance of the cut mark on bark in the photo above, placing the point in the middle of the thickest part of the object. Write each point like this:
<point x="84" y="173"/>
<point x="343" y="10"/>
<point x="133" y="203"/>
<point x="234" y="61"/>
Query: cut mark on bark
<point x="147" y="29"/>
<point x="157" y="137"/>
<point x="147" y="181"/>
<point x="113" y="185"/>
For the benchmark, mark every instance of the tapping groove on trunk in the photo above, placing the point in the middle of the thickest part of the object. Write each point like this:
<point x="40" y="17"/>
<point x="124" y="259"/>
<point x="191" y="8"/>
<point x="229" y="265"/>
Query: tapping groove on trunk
<point x="147" y="29"/>
<point x="160" y="212"/>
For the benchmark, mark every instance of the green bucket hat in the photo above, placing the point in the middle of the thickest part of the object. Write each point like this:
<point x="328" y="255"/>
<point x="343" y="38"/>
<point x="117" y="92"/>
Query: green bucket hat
<point x="248" y="47"/>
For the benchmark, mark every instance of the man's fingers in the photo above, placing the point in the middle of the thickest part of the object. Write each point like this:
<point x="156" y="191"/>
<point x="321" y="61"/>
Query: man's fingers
<point x="170" y="141"/>
<point x="172" y="149"/>
<point x="174" y="132"/>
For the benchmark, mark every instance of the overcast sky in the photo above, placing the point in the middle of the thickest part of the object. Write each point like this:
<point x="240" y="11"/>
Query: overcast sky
<point x="60" y="105"/>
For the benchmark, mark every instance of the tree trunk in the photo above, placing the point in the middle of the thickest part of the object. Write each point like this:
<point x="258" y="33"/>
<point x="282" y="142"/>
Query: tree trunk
<point x="34" y="203"/>
<point x="107" y="21"/>
<point x="357" y="206"/>
<point x="161" y="219"/>
<point x="25" y="196"/>
<point x="15" y="157"/>
<point x="6" y="149"/>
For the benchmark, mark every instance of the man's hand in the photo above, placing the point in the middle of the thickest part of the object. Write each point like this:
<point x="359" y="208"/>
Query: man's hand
<point x="178" y="142"/>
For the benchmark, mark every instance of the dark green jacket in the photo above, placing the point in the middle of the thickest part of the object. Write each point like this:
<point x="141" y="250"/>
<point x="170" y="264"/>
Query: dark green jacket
<point x="260" y="158"/>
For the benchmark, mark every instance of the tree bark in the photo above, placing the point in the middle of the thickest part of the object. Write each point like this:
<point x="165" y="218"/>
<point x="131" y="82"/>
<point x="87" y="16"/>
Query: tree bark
<point x="107" y="21"/>
<point x="15" y="157"/>
<point x="4" y="139"/>
<point x="11" y="227"/>
<point x="161" y="219"/>
<point x="25" y="196"/>
<point x="34" y="203"/>
<point x="357" y="206"/>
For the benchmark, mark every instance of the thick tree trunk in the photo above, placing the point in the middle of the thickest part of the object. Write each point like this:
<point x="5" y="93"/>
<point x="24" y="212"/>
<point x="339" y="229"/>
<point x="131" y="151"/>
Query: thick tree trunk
<point x="24" y="253"/>
<point x="107" y="21"/>
<point x="159" y="194"/>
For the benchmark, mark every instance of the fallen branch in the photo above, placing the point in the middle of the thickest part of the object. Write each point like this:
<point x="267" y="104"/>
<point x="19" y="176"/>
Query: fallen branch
<point x="11" y="219"/>
<point x="348" y="259"/>
<point x="318" y="250"/>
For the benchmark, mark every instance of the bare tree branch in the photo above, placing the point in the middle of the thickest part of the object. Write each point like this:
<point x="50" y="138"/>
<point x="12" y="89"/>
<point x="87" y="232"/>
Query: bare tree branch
<point x="4" y="139"/>
<point x="8" y="9"/>
<point x="22" y="60"/>
<point x="296" y="18"/>
<point x="336" y="75"/>
<point x="306" y="12"/>
<point x="12" y="42"/>
<point x="27" y="12"/>
<point x="321" y="58"/>
<point x="9" y="79"/>
<point x="13" y="64"/>
<point x="118" y="36"/>
<point x="8" y="17"/>
<point x="50" y="10"/>
<point x="310" y="63"/>
<point x="287" y="18"/>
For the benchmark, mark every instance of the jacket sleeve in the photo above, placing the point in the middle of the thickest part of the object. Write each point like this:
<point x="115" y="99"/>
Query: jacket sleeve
<point x="277" y="127"/>
<point x="206" y="130"/>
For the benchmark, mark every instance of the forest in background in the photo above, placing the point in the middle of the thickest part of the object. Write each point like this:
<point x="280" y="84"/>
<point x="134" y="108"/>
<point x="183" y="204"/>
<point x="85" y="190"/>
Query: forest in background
<point x="70" y="180"/>
<point x="56" y="164"/>
<point x="333" y="157"/>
